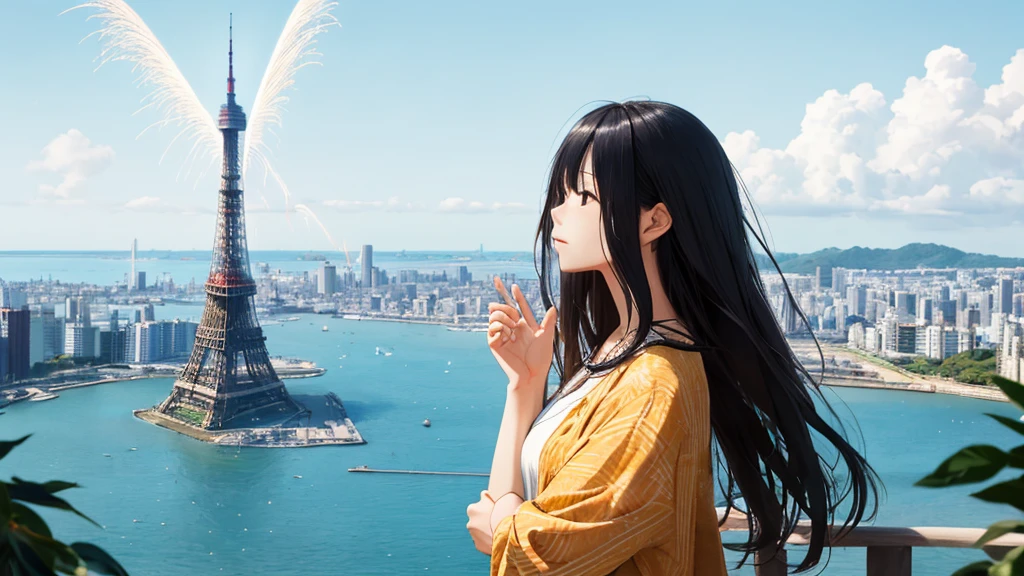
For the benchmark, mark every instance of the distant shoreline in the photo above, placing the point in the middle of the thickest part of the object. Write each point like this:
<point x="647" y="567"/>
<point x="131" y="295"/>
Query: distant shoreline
<point x="891" y="379"/>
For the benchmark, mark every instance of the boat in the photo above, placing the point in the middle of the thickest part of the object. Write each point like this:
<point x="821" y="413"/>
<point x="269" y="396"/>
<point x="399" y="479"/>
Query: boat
<point x="43" y="396"/>
<point x="297" y="476"/>
<point x="378" y="351"/>
<point x="324" y="329"/>
<point x="427" y="422"/>
<point x="291" y="319"/>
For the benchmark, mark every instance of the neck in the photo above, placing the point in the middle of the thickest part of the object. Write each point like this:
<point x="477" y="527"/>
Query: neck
<point x="661" y="307"/>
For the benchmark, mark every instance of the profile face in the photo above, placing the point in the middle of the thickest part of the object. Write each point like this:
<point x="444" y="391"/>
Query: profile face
<point x="577" y="231"/>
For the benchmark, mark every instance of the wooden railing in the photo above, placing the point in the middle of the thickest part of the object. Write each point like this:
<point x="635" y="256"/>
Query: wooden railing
<point x="889" y="549"/>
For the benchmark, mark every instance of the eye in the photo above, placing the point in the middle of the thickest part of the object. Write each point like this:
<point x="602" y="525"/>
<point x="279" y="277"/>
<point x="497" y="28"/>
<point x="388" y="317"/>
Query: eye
<point x="585" y="194"/>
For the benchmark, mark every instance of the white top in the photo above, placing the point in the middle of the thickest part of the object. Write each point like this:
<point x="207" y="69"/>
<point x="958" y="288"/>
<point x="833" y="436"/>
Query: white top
<point x="549" y="418"/>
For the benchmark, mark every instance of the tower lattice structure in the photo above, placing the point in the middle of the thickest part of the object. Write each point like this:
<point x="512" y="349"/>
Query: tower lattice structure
<point x="229" y="380"/>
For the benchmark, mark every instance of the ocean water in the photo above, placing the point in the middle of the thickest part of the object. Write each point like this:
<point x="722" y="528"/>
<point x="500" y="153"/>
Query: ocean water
<point x="179" y="506"/>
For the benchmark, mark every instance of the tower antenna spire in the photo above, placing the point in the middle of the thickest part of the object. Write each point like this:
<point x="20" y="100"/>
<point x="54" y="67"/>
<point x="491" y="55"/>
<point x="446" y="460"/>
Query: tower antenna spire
<point x="231" y="64"/>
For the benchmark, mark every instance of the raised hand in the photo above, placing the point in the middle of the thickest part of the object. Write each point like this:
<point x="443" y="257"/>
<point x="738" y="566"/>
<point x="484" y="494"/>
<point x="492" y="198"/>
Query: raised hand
<point x="522" y="347"/>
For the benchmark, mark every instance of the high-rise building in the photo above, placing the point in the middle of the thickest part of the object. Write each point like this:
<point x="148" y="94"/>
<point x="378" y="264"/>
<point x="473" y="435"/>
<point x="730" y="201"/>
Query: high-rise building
<point x="11" y="298"/>
<point x="1005" y="288"/>
<point x="14" y="327"/>
<point x="229" y="377"/>
<point x="902" y="305"/>
<point x="140" y="280"/>
<point x="81" y="340"/>
<point x="132" y="278"/>
<point x="924" y="311"/>
<point x="839" y="280"/>
<point x="70" y="309"/>
<point x="113" y="344"/>
<point x="46" y="335"/>
<point x="817" y="278"/>
<point x="857" y="298"/>
<point x="366" y="262"/>
<point x="327" y="280"/>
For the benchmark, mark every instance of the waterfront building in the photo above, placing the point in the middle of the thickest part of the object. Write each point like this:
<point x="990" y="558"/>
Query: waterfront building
<point x="14" y="328"/>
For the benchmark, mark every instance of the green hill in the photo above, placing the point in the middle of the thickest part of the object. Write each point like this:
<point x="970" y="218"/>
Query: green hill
<point x="908" y="257"/>
<point x="974" y="367"/>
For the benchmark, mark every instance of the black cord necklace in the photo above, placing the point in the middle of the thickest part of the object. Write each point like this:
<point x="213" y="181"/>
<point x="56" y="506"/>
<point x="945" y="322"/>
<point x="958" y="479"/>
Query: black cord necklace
<point x="593" y="367"/>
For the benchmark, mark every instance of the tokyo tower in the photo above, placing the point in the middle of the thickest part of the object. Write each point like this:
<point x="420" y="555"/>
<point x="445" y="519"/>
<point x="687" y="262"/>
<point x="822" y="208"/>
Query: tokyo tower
<point x="228" y="381"/>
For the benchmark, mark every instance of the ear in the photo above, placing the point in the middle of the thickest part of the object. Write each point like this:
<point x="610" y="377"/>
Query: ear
<point x="654" y="222"/>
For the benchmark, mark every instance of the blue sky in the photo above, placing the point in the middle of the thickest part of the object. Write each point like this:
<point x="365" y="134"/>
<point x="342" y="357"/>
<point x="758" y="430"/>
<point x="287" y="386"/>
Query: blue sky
<point x="864" y="123"/>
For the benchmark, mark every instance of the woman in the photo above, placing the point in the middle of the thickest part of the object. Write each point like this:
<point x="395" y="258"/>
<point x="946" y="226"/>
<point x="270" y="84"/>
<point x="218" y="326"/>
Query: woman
<point x="665" y="340"/>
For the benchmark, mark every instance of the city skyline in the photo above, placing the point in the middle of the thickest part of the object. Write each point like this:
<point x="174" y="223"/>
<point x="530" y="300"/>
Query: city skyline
<point x="812" y="129"/>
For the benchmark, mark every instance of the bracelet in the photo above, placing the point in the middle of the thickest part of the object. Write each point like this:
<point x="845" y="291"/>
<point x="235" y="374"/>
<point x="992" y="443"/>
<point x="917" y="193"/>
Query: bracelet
<point x="490" y="519"/>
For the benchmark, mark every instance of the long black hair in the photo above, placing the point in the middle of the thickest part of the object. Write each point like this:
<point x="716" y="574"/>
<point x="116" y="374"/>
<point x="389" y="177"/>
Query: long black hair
<point x="762" y="411"/>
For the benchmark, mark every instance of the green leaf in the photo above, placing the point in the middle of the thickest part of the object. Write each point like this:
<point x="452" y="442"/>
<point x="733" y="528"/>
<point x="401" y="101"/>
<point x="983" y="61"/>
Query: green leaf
<point x="972" y="464"/>
<point x="7" y="445"/>
<point x="998" y="529"/>
<point x="1013" y="390"/>
<point x="27" y="517"/>
<point x="1015" y="425"/>
<point x="28" y="561"/>
<point x="1010" y="492"/>
<point x="98" y="560"/>
<point x="5" y="505"/>
<point x="53" y="486"/>
<point x="979" y="568"/>
<point x="46" y="549"/>
<point x="38" y="494"/>
<point x="1015" y="457"/>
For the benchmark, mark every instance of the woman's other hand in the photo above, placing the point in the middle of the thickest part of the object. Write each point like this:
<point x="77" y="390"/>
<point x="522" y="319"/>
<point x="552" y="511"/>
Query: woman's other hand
<point x="522" y="347"/>
<point x="479" y="522"/>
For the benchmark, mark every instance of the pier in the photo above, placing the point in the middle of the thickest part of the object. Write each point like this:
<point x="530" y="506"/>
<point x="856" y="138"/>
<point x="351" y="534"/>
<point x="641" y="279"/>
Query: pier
<point x="365" y="469"/>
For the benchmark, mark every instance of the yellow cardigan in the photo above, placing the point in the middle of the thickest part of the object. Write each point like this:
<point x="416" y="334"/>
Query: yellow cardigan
<point x="625" y="482"/>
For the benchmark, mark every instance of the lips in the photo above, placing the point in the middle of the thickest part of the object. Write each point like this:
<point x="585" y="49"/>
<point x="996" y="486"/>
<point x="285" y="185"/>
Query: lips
<point x="558" y="240"/>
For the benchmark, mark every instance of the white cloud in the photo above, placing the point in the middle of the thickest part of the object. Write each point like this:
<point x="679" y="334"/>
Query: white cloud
<point x="462" y="205"/>
<point x="450" y="205"/>
<point x="142" y="203"/>
<point x="945" y="148"/>
<point x="393" y="204"/>
<point x="74" y="158"/>
<point x="153" y="204"/>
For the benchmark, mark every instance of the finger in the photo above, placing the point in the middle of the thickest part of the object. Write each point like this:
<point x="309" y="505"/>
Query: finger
<point x="549" y="319"/>
<point x="498" y="327"/>
<point x="512" y="312"/>
<point x="500" y="286"/>
<point x="524" y="306"/>
<point x="504" y="319"/>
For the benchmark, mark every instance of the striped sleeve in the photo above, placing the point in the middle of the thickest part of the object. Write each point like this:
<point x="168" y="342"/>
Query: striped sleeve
<point x="614" y="496"/>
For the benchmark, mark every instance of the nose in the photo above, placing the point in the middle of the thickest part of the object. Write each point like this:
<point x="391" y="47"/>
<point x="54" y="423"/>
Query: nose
<point x="555" y="212"/>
